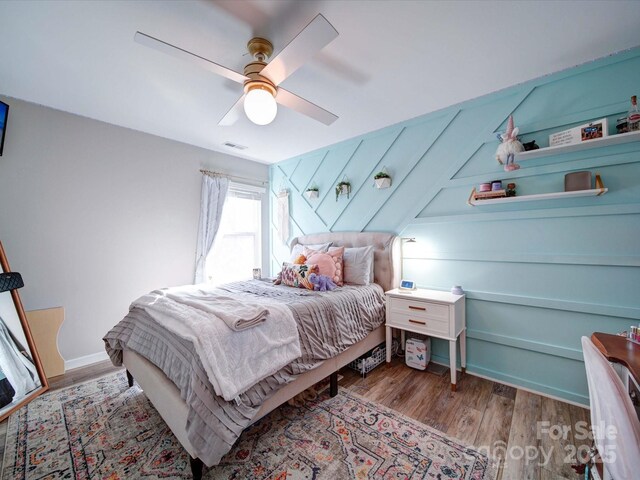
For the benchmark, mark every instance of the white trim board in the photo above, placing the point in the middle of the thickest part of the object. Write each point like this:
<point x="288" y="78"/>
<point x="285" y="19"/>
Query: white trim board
<point x="86" y="360"/>
<point x="520" y="387"/>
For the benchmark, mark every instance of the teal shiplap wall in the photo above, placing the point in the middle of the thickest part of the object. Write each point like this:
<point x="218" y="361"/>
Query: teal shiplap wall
<point x="538" y="275"/>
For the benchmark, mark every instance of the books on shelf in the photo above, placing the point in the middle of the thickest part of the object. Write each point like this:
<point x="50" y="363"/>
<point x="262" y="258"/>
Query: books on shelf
<point x="486" y="195"/>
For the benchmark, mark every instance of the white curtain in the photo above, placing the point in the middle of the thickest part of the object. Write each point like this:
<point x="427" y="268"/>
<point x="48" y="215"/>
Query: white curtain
<point x="214" y="192"/>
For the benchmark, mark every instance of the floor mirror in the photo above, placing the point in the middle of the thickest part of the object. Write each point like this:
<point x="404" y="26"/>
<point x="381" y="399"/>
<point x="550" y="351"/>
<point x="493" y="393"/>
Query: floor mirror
<point x="22" y="377"/>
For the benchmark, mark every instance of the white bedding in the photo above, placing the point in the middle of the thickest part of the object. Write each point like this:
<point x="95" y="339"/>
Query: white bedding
<point x="233" y="360"/>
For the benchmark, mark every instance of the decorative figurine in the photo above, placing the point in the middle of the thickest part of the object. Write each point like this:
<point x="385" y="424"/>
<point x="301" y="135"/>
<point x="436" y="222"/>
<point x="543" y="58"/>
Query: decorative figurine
<point x="530" y="146"/>
<point x="509" y="147"/>
<point x="321" y="283"/>
<point x="511" y="190"/>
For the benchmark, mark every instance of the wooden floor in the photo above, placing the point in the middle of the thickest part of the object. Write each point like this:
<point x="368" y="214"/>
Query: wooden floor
<point x="508" y="422"/>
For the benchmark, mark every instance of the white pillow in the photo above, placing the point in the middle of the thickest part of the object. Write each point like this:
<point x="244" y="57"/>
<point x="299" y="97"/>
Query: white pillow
<point x="358" y="265"/>
<point x="298" y="248"/>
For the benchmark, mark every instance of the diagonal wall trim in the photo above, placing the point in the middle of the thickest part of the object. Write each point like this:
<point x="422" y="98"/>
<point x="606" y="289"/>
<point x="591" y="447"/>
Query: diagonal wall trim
<point x="601" y="111"/>
<point x="448" y="121"/>
<point x="397" y="183"/>
<point x="587" y="160"/>
<point x="293" y="172"/>
<point x="503" y="125"/>
<point x="284" y="183"/>
<point x="335" y="181"/>
<point x="311" y="181"/>
<point x="539" y="274"/>
<point x="287" y="166"/>
<point x="449" y="173"/>
<point x="400" y="132"/>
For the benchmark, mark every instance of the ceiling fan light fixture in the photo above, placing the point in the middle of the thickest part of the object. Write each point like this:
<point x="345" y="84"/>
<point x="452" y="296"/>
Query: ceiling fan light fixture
<point x="260" y="105"/>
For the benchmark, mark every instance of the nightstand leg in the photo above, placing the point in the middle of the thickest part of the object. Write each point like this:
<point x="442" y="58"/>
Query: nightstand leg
<point x="389" y="343"/>
<point x="463" y="350"/>
<point x="403" y="339"/>
<point x="452" y="363"/>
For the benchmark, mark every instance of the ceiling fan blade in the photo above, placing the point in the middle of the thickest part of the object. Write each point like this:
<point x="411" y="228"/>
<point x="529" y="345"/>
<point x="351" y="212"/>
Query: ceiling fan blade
<point x="300" y="105"/>
<point x="305" y="45"/>
<point x="164" y="47"/>
<point x="233" y="114"/>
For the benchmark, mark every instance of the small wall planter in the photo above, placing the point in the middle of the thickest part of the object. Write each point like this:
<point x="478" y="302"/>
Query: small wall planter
<point x="382" y="179"/>
<point x="343" y="188"/>
<point x="384" y="182"/>
<point x="312" y="193"/>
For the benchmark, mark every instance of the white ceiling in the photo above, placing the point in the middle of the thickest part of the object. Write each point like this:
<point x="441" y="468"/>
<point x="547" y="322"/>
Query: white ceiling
<point x="392" y="61"/>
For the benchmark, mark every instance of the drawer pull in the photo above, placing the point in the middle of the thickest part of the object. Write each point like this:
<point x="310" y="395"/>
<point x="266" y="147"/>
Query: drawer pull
<point x="411" y="307"/>
<point x="419" y="322"/>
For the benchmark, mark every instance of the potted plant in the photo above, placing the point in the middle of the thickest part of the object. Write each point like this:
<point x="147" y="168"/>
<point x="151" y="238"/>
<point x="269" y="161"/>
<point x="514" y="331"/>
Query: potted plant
<point x="312" y="192"/>
<point x="343" y="188"/>
<point x="382" y="179"/>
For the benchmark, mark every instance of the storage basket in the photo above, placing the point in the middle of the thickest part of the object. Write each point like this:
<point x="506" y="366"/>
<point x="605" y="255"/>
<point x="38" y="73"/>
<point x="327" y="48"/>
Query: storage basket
<point x="374" y="357"/>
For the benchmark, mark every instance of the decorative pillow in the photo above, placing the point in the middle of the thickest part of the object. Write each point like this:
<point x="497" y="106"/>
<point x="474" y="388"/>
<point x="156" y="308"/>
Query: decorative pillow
<point x="329" y="264"/>
<point x="297" y="275"/>
<point x="298" y="249"/>
<point x="358" y="265"/>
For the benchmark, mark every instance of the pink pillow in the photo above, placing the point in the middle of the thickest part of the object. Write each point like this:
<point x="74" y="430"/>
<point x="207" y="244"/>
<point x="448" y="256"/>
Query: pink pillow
<point x="329" y="264"/>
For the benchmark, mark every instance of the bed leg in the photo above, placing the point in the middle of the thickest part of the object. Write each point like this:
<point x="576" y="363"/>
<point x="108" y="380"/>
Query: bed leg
<point x="196" y="467"/>
<point x="129" y="379"/>
<point x="333" y="384"/>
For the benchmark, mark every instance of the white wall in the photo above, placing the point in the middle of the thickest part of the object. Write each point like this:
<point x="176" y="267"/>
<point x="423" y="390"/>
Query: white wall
<point x="95" y="215"/>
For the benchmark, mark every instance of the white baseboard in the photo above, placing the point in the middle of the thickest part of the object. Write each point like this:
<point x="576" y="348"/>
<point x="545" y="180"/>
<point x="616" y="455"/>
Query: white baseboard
<point x="530" y="390"/>
<point x="86" y="360"/>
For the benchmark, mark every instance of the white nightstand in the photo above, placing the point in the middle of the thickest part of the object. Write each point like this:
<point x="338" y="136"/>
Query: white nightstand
<point x="429" y="312"/>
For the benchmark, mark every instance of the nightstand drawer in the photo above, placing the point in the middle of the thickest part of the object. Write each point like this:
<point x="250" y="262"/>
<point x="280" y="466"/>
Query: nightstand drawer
<point x="419" y="309"/>
<point x="427" y="325"/>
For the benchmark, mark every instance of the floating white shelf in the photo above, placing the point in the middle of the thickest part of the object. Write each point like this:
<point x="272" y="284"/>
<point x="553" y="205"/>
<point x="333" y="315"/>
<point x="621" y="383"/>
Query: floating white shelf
<point x="576" y="147"/>
<point x="538" y="196"/>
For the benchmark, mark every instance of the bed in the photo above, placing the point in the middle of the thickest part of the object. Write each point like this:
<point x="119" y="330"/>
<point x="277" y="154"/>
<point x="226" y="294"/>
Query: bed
<point x="185" y="399"/>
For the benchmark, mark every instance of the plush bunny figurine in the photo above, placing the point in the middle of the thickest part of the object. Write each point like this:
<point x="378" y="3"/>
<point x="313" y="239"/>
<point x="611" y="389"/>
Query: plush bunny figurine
<point x="509" y="147"/>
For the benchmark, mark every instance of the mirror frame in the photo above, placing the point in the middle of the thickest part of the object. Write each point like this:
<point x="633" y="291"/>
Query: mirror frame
<point x="30" y="343"/>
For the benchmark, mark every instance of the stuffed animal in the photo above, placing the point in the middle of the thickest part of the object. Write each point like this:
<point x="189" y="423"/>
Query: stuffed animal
<point x="321" y="283"/>
<point x="509" y="147"/>
<point x="300" y="260"/>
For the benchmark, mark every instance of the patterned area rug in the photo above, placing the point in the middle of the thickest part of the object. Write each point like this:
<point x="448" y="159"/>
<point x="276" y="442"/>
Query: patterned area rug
<point x="102" y="429"/>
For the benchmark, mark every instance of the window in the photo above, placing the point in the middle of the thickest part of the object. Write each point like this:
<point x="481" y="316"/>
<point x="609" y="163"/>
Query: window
<point x="237" y="248"/>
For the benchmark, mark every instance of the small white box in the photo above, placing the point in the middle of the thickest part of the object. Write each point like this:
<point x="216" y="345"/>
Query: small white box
<point x="417" y="353"/>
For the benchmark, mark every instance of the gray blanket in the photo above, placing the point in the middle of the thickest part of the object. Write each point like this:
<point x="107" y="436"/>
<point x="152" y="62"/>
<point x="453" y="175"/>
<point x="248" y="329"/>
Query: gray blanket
<point x="328" y="323"/>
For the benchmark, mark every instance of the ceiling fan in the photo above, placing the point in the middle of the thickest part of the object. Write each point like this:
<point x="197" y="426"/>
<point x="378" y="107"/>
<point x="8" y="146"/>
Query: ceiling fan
<point x="261" y="80"/>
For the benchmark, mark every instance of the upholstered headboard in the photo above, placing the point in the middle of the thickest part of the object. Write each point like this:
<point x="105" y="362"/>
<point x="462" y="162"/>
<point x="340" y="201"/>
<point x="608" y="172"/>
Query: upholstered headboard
<point x="386" y="251"/>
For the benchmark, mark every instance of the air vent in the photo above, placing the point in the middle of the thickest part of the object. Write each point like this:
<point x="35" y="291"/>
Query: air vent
<point x="234" y="145"/>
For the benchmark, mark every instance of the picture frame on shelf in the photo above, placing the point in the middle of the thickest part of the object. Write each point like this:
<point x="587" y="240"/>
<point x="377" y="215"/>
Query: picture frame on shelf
<point x="583" y="133"/>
